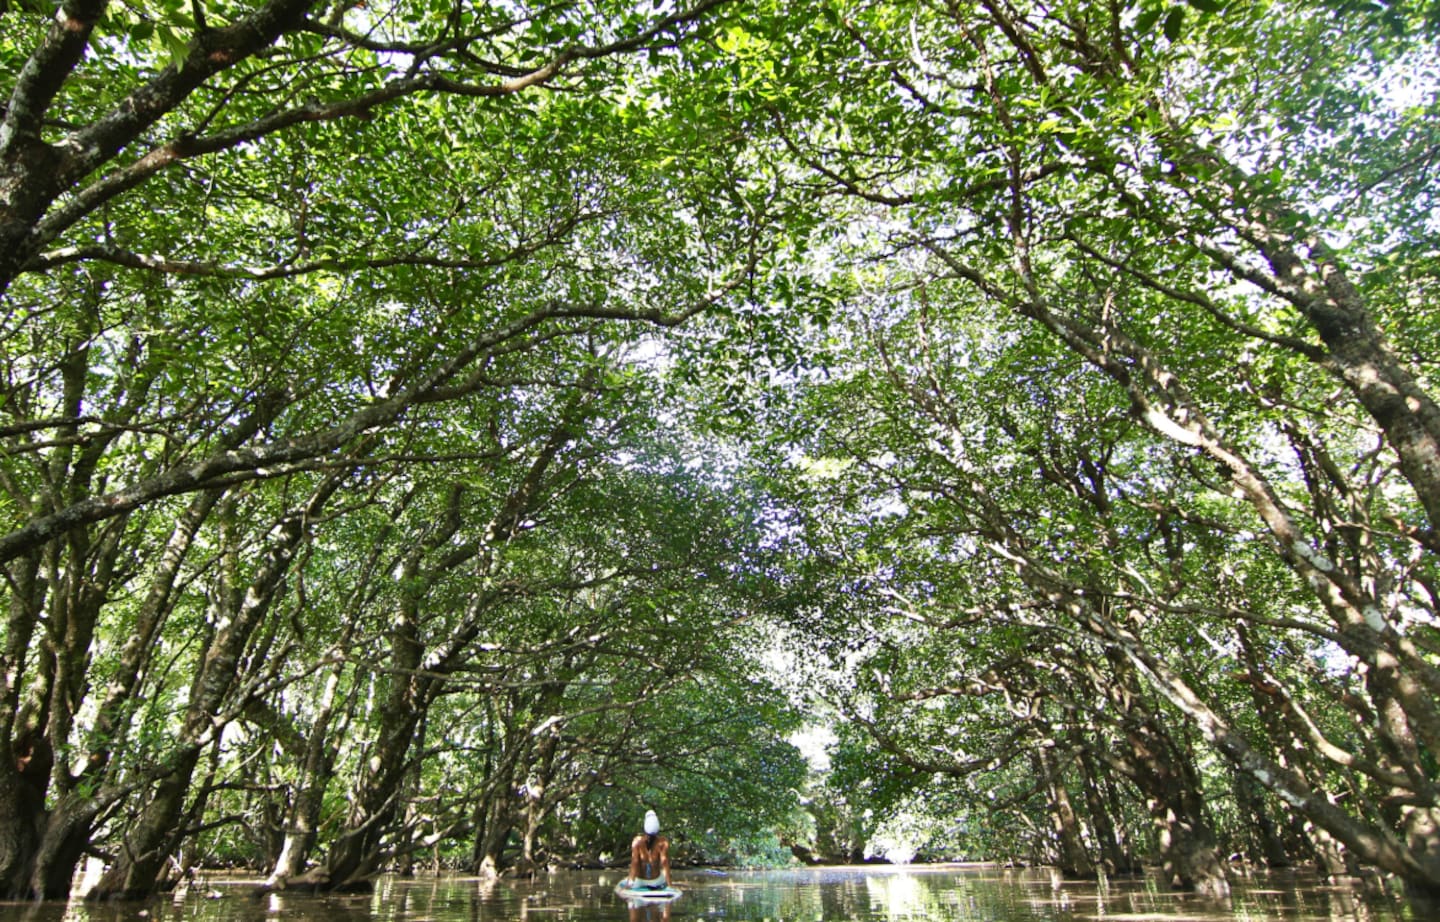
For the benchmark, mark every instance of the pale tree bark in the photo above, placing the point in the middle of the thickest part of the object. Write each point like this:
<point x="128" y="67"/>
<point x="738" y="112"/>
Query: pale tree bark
<point x="1371" y="842"/>
<point x="68" y="827"/>
<point x="357" y="852"/>
<point x="1164" y="774"/>
<point x="302" y="820"/>
<point x="154" y="835"/>
<point x="1074" y="859"/>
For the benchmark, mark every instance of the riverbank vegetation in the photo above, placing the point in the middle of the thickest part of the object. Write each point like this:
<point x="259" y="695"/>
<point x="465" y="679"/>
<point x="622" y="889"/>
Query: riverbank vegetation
<point x="431" y="433"/>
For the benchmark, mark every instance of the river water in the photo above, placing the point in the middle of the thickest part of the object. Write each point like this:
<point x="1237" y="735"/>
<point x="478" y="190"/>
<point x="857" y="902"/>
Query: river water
<point x="882" y="894"/>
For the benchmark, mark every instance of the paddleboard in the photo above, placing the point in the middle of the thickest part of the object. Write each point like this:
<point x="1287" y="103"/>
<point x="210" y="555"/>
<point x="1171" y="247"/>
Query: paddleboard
<point x="646" y="893"/>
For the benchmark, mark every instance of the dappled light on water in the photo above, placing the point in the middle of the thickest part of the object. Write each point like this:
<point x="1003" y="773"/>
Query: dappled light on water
<point x="881" y="894"/>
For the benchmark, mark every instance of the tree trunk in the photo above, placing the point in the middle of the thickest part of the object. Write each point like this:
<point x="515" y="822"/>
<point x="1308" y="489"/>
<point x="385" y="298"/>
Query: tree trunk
<point x="63" y="841"/>
<point x="1168" y="783"/>
<point x="65" y="834"/>
<point x="1115" y="857"/>
<point x="492" y="852"/>
<point x="1074" y="861"/>
<point x="147" y="844"/>
<point x="1333" y="860"/>
<point x="1370" y="841"/>
<point x="494" y="832"/>
<point x="20" y="815"/>
<point x="1265" y="842"/>
<point x="21" y="800"/>
<point x="354" y="858"/>
<point x="241" y="608"/>
<point x="303" y="817"/>
<point x="410" y="836"/>
<point x="1188" y="853"/>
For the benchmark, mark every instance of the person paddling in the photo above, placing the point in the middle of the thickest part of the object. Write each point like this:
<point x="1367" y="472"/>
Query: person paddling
<point x="650" y="856"/>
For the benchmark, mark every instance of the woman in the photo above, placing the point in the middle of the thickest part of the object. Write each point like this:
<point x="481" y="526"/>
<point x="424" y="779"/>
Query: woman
<point x="650" y="856"/>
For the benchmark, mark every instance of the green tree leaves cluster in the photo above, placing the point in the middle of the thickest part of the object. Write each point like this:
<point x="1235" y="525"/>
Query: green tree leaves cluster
<point x="392" y="383"/>
<point x="1118" y="407"/>
<point x="332" y="343"/>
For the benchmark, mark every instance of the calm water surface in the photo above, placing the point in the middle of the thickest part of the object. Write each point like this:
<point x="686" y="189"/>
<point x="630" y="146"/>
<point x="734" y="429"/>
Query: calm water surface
<point x="915" y="894"/>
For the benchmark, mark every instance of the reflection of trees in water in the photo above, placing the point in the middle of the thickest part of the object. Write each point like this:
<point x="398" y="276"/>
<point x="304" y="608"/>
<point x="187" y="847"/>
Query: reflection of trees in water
<point x="888" y="895"/>
<point x="849" y="900"/>
<point x="830" y="895"/>
<point x="845" y="899"/>
<point x="826" y="894"/>
<point x="923" y="895"/>
<point x="804" y="895"/>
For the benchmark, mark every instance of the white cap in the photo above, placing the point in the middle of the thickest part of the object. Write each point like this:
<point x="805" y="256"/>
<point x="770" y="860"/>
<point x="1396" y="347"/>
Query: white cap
<point x="652" y="823"/>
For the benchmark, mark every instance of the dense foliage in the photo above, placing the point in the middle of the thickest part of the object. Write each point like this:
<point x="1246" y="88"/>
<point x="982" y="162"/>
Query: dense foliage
<point x="1136" y="420"/>
<point x="431" y="433"/>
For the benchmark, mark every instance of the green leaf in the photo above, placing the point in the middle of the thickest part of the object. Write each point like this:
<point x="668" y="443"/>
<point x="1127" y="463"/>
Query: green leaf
<point x="1174" y="22"/>
<point x="1145" y="22"/>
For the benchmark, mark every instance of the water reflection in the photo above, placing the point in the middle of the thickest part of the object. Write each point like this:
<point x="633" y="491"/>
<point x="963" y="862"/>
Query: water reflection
<point x="914" y="894"/>
<point x="649" y="910"/>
